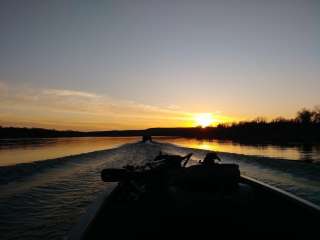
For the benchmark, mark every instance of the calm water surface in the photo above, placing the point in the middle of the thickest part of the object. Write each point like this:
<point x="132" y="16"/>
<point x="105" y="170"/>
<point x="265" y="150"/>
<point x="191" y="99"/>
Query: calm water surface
<point x="304" y="152"/>
<point x="29" y="150"/>
<point x="15" y="151"/>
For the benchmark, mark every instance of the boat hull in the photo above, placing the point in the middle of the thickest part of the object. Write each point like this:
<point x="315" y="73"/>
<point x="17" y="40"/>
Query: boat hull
<point x="253" y="209"/>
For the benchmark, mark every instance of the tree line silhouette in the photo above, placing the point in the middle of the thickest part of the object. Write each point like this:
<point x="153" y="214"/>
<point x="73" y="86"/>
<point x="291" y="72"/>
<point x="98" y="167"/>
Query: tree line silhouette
<point x="305" y="127"/>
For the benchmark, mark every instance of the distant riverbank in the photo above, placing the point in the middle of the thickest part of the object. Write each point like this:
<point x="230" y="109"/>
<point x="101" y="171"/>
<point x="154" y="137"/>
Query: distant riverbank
<point x="304" y="128"/>
<point x="248" y="132"/>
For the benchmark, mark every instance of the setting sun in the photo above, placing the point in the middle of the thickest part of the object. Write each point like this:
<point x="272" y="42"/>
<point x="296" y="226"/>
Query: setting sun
<point x="204" y="119"/>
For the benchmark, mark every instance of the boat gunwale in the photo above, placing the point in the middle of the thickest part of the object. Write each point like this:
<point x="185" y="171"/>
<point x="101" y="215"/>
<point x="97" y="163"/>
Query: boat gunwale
<point x="79" y="230"/>
<point x="280" y="193"/>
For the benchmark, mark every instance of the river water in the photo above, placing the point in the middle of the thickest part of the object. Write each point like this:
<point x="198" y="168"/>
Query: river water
<point x="47" y="184"/>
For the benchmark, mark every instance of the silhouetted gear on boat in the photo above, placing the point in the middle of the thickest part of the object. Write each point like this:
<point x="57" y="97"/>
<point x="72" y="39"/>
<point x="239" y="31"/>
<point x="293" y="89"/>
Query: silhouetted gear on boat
<point x="210" y="158"/>
<point x="173" y="160"/>
<point x="159" y="201"/>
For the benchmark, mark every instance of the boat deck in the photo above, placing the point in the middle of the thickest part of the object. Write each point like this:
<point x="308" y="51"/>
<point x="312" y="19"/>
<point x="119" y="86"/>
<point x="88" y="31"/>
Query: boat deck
<point x="251" y="210"/>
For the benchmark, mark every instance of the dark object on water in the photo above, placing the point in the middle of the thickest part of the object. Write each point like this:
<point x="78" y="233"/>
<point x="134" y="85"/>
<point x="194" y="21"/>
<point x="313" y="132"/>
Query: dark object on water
<point x="146" y="138"/>
<point x="166" y="201"/>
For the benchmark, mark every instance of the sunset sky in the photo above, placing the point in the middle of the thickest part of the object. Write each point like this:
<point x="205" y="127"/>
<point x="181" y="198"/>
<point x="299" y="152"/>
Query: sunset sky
<point x="101" y="65"/>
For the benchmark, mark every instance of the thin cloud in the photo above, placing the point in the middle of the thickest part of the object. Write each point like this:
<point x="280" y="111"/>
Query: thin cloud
<point x="3" y="88"/>
<point x="64" y="108"/>
<point x="69" y="93"/>
<point x="174" y="107"/>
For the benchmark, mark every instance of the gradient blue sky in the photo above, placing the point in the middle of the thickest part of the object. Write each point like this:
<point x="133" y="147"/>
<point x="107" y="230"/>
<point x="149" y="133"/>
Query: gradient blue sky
<point x="156" y="62"/>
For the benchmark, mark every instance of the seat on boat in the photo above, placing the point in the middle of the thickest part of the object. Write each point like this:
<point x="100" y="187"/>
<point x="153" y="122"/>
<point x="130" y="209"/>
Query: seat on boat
<point x="215" y="176"/>
<point x="216" y="187"/>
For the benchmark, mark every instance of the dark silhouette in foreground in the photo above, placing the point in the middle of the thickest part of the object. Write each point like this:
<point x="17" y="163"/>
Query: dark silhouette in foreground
<point x="159" y="200"/>
<point x="210" y="158"/>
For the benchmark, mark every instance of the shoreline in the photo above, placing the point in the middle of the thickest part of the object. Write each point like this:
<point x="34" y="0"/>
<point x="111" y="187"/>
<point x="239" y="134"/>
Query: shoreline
<point x="257" y="142"/>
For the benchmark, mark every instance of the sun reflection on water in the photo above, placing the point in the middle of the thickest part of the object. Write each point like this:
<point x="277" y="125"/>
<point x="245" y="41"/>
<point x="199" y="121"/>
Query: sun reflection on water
<point x="276" y="151"/>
